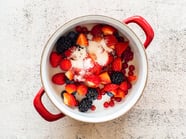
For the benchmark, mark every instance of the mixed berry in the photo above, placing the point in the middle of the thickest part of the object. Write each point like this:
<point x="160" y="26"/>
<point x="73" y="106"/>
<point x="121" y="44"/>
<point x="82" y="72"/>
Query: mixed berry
<point x="93" y="62"/>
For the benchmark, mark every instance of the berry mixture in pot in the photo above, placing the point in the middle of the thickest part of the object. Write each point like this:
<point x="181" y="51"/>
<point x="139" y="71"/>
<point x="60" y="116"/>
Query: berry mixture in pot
<point x="94" y="62"/>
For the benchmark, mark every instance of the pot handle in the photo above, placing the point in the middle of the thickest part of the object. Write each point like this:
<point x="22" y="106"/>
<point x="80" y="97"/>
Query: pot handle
<point x="42" y="110"/>
<point x="146" y="27"/>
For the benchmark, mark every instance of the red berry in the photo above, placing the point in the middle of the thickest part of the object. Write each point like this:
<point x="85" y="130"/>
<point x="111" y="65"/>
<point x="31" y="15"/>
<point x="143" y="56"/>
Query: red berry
<point x="125" y="65"/>
<point x="126" y="92"/>
<point x="130" y="73"/>
<point x="118" y="99"/>
<point x="129" y="85"/>
<point x="65" y="64"/>
<point x="124" y="86"/>
<point x="55" y="59"/>
<point x="96" y="30"/>
<point x="111" y="103"/>
<point x="106" y="104"/>
<point x="84" y="30"/>
<point x="78" y="29"/>
<point x="99" y="97"/>
<point x="93" y="108"/>
<point x="131" y="67"/>
<point x="59" y="78"/>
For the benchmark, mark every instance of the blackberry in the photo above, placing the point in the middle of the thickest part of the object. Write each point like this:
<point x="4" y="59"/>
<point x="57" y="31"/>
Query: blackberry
<point x="73" y="37"/>
<point x="63" y="44"/>
<point x="85" y="104"/>
<point x="92" y="93"/>
<point x="117" y="77"/>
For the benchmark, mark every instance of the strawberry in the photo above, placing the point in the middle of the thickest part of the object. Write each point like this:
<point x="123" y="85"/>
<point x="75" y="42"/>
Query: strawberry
<point x="69" y="74"/>
<point x="82" y="89"/>
<point x="110" y="59"/>
<point x="96" y="30"/>
<point x="121" y="47"/>
<point x="132" y="78"/>
<point x="55" y="59"/>
<point x="108" y="30"/>
<point x="70" y="88"/>
<point x="120" y="93"/>
<point x="110" y="87"/>
<point x="59" y="78"/>
<point x="105" y="78"/>
<point x="96" y="38"/>
<point x="82" y="40"/>
<point x="110" y="41"/>
<point x="65" y="64"/>
<point x="124" y="86"/>
<point x="92" y="80"/>
<point x="69" y="99"/>
<point x="96" y="69"/>
<point x="117" y="64"/>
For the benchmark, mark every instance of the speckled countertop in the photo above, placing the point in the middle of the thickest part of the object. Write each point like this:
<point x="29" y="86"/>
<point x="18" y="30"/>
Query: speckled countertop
<point x="25" y="26"/>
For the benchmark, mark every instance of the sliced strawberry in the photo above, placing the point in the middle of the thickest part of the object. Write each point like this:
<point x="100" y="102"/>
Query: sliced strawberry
<point x="105" y="78"/>
<point x="120" y="93"/>
<point x="65" y="64"/>
<point x="132" y="78"/>
<point x="92" y="80"/>
<point x="59" y="78"/>
<point x="69" y="99"/>
<point x="124" y="86"/>
<point x="96" y="69"/>
<point x="110" y="87"/>
<point x="117" y="64"/>
<point x="96" y="30"/>
<point x="121" y="47"/>
<point x="55" y="59"/>
<point x="96" y="38"/>
<point x="69" y="74"/>
<point x="71" y="88"/>
<point x="110" y="59"/>
<point x="82" y="40"/>
<point x="82" y="89"/>
<point x="110" y="41"/>
<point x="108" y="30"/>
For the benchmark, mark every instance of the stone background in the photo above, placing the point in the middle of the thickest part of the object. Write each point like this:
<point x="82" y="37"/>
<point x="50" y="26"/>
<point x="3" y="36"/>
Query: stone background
<point x="25" y="26"/>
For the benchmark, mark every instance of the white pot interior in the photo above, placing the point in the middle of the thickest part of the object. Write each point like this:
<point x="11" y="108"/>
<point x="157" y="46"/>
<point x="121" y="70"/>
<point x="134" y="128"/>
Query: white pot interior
<point x="101" y="114"/>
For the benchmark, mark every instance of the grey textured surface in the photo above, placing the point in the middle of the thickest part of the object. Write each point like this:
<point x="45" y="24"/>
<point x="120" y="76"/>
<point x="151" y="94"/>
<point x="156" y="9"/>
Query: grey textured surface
<point x="25" y="26"/>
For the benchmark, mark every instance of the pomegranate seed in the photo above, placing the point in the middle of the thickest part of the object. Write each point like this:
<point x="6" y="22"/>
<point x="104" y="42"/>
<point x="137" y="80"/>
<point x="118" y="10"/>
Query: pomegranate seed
<point x="117" y="99"/>
<point x="112" y="98"/>
<point x="106" y="104"/>
<point x="111" y="103"/>
<point x="129" y="85"/>
<point x="131" y="67"/>
<point x="125" y="65"/>
<point x="126" y="92"/>
<point x="131" y="57"/>
<point x="93" y="108"/>
<point x="78" y="29"/>
<point x="84" y="30"/>
<point x="99" y="97"/>
<point x="124" y="71"/>
<point x="130" y="73"/>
